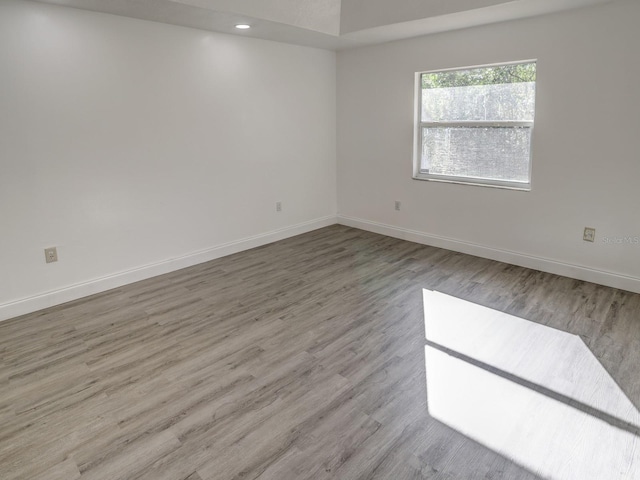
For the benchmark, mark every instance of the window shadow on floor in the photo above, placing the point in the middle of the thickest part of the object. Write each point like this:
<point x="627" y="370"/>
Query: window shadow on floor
<point x="534" y="394"/>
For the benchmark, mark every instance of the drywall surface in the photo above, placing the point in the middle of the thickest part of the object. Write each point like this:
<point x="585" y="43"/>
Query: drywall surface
<point x="362" y="14"/>
<point x="128" y="143"/>
<point x="586" y="161"/>
<point x="319" y="15"/>
<point x="358" y="15"/>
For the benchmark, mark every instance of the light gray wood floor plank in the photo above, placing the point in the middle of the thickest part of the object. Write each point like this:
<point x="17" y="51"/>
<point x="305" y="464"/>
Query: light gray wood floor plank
<point x="303" y="359"/>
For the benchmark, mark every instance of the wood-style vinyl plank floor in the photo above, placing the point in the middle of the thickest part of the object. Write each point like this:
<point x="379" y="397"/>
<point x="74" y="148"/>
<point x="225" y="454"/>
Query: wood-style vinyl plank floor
<point x="303" y="359"/>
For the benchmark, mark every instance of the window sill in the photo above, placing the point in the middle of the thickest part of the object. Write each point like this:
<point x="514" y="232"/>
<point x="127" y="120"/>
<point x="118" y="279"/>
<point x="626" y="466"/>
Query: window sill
<point x="525" y="187"/>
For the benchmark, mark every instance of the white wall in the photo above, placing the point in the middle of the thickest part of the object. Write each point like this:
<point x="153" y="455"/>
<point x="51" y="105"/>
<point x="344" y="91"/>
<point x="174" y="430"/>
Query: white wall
<point x="586" y="159"/>
<point x="361" y="14"/>
<point x="319" y="15"/>
<point x="438" y="15"/>
<point x="128" y="144"/>
<point x="137" y="148"/>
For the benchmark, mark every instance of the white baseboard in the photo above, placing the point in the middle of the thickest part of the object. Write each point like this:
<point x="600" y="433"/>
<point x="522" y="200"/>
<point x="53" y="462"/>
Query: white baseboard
<point x="578" y="272"/>
<point x="74" y="292"/>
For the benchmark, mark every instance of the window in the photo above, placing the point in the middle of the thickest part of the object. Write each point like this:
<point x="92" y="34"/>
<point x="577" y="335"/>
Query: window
<point x="475" y="125"/>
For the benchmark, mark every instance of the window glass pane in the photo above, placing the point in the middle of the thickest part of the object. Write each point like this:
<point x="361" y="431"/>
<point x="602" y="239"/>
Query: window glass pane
<point x="508" y="102"/>
<point x="491" y="153"/>
<point x="501" y="93"/>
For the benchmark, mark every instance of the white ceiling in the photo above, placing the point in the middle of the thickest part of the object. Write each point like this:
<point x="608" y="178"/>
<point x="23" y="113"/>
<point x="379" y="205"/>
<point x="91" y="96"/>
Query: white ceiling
<point x="329" y="24"/>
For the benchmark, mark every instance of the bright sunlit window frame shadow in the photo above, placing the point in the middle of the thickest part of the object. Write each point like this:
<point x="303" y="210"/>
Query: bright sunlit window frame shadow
<point x="533" y="394"/>
<point x="421" y="173"/>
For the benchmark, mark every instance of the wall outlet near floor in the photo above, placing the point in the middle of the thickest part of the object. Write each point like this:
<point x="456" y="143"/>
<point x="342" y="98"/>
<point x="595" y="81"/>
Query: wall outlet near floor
<point x="398" y="205"/>
<point x="589" y="234"/>
<point x="51" y="254"/>
<point x="278" y="206"/>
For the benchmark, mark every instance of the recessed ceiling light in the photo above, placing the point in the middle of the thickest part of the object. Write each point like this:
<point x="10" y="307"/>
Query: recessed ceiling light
<point x="243" y="26"/>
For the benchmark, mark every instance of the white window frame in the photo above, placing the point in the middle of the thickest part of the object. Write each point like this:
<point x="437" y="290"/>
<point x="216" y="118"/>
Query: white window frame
<point x="419" y="174"/>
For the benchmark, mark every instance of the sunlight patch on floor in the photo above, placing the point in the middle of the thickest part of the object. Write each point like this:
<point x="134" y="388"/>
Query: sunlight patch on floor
<point x="534" y="394"/>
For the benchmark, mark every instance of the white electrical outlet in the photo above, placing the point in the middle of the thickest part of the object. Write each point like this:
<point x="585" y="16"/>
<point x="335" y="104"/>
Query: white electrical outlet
<point x="51" y="254"/>
<point x="589" y="234"/>
<point x="398" y="205"/>
<point x="278" y="206"/>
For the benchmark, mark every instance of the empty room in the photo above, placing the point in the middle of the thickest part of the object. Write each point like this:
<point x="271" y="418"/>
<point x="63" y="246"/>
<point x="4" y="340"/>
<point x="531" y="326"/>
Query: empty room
<point x="319" y="239"/>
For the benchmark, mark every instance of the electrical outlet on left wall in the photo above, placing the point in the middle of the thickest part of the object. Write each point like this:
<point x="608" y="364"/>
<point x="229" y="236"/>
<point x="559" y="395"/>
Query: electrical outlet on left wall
<point x="51" y="254"/>
<point x="589" y="234"/>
